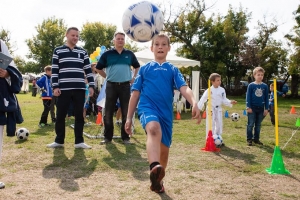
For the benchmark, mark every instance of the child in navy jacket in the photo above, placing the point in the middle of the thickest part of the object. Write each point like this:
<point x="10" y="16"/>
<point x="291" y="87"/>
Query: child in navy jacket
<point x="45" y="84"/>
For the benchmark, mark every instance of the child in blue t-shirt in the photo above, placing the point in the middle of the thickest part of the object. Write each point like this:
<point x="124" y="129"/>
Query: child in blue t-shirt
<point x="153" y="91"/>
<point x="257" y="103"/>
<point x="271" y="102"/>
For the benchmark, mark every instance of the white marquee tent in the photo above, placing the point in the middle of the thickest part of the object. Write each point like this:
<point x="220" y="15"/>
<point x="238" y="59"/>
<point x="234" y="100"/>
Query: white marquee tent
<point x="146" y="55"/>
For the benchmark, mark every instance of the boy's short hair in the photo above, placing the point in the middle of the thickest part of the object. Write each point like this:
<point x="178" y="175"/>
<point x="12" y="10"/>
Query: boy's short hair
<point x="271" y="84"/>
<point x="213" y="76"/>
<point x="47" y="68"/>
<point x="161" y="35"/>
<point x="258" y="69"/>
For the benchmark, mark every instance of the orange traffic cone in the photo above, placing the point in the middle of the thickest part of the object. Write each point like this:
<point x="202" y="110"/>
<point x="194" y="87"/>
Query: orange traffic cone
<point x="204" y="115"/>
<point x="293" y="110"/>
<point x="99" y="118"/>
<point x="178" y="116"/>
<point x="210" y="144"/>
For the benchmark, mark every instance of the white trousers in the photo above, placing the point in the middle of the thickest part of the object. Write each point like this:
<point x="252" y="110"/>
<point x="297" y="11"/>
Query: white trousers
<point x="217" y="121"/>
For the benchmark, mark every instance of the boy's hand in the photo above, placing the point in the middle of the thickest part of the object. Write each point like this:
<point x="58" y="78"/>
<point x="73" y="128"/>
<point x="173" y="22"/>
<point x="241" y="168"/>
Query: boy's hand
<point x="265" y="112"/>
<point x="196" y="113"/>
<point x="249" y="110"/>
<point x="128" y="126"/>
<point x="233" y="102"/>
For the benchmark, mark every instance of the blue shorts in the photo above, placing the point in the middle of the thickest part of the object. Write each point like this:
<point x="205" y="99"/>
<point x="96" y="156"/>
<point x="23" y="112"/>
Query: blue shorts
<point x="166" y="128"/>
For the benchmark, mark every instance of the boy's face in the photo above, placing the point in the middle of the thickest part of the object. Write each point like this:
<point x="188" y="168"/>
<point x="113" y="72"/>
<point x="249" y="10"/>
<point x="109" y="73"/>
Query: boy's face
<point x="271" y="87"/>
<point x="259" y="76"/>
<point x="49" y="72"/>
<point x="216" y="82"/>
<point x="160" y="48"/>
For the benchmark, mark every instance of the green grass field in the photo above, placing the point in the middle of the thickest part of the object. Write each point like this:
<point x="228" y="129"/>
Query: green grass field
<point x="32" y="171"/>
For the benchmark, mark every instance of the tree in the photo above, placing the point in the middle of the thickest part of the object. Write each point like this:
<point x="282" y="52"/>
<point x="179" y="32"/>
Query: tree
<point x="95" y="34"/>
<point x="50" y="34"/>
<point x="131" y="45"/>
<point x="5" y="36"/>
<point x="294" y="67"/>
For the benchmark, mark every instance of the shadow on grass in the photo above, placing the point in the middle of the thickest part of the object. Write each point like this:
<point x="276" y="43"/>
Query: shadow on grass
<point x="235" y="154"/>
<point x="68" y="170"/>
<point x="131" y="160"/>
<point x="284" y="153"/>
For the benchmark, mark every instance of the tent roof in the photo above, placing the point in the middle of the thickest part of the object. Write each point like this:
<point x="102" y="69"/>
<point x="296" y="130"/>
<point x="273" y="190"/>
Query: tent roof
<point x="146" y="55"/>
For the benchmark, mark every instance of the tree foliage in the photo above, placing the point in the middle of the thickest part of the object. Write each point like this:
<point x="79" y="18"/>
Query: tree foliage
<point x="5" y="35"/>
<point x="50" y="34"/>
<point x="95" y="34"/>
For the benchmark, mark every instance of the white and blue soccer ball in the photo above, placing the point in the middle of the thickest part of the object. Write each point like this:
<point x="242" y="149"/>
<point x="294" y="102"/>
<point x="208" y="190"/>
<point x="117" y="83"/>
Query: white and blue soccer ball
<point x="142" y="21"/>
<point x="22" y="133"/>
<point x="218" y="139"/>
<point x="235" y="117"/>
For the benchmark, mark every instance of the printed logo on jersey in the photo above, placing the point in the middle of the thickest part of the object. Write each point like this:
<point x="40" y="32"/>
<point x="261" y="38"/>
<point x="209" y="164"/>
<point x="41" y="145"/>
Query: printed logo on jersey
<point x="258" y="92"/>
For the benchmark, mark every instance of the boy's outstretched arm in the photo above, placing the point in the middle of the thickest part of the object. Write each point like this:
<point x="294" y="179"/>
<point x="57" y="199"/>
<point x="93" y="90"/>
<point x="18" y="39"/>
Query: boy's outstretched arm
<point x="187" y="93"/>
<point x="135" y="95"/>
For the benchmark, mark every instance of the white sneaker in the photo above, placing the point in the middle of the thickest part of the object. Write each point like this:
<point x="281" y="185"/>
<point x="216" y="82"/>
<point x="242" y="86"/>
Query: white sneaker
<point x="82" y="146"/>
<point x="55" y="145"/>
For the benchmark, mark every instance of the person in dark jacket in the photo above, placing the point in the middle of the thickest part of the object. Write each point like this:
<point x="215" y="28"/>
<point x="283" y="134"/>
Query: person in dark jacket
<point x="45" y="84"/>
<point x="10" y="84"/>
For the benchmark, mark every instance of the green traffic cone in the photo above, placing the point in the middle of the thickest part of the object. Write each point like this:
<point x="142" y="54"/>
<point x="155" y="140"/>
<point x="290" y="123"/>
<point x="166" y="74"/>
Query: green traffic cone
<point x="298" y="122"/>
<point x="277" y="165"/>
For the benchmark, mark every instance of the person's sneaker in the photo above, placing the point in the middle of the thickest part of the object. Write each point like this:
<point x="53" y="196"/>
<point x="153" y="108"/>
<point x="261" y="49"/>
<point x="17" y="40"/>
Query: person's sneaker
<point x="249" y="142"/>
<point x="82" y="146"/>
<point x="55" y="145"/>
<point x="42" y="125"/>
<point x="2" y="185"/>
<point x="53" y="120"/>
<point x="105" y="141"/>
<point x="156" y="175"/>
<point x="258" y="142"/>
<point x="126" y="142"/>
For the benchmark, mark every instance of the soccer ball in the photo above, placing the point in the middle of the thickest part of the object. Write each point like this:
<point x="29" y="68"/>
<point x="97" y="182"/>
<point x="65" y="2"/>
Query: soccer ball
<point x="235" y="117"/>
<point x="218" y="139"/>
<point x="142" y="21"/>
<point x="22" y="133"/>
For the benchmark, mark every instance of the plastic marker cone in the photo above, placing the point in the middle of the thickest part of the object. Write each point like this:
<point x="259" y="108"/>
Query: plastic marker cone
<point x="178" y="116"/>
<point x="244" y="113"/>
<point x="298" y="122"/>
<point x="293" y="110"/>
<point x="204" y="115"/>
<point x="210" y="144"/>
<point x="277" y="165"/>
<point x="226" y="114"/>
<point x="99" y="118"/>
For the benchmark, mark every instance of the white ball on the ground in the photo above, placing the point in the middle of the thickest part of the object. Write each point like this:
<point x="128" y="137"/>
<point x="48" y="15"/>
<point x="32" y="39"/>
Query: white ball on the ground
<point x="218" y="139"/>
<point x="235" y="117"/>
<point x="22" y="133"/>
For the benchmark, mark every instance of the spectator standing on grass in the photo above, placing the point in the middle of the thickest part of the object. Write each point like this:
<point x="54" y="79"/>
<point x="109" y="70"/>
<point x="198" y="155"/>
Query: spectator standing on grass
<point x="10" y="84"/>
<point x="117" y="63"/>
<point x="257" y="105"/>
<point x="69" y="65"/>
<point x="45" y="84"/>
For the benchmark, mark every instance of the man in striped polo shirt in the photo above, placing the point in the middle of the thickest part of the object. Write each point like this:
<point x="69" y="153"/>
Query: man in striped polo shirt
<point x="70" y="64"/>
<point x="117" y="62"/>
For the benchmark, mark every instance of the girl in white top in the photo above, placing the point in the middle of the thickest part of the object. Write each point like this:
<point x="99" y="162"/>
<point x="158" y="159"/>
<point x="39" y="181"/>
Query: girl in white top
<point x="218" y="98"/>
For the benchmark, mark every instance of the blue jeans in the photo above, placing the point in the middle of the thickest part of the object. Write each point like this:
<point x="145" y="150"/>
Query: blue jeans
<point x="113" y="92"/>
<point x="254" y="120"/>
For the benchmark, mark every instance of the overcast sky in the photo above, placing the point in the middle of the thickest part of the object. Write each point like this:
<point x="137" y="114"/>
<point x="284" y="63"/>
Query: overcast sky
<point x="21" y="17"/>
